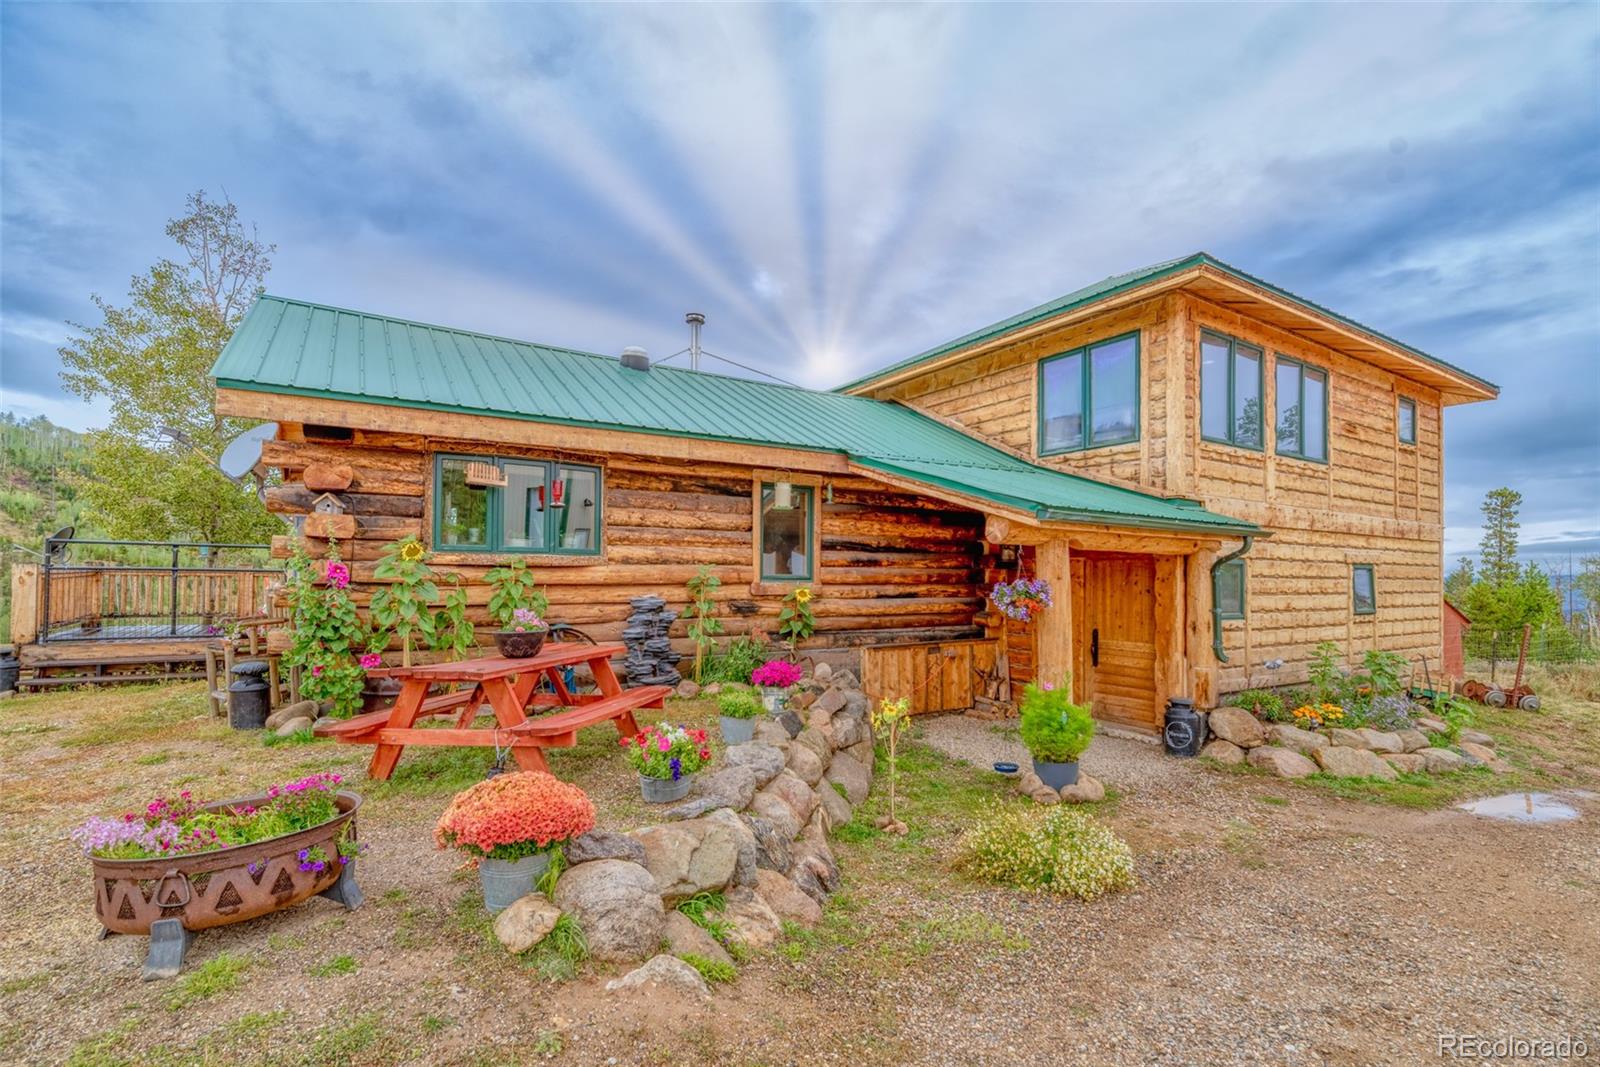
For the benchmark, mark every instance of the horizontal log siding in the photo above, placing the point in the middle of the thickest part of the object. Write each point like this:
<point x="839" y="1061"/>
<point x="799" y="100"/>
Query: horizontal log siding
<point x="890" y="561"/>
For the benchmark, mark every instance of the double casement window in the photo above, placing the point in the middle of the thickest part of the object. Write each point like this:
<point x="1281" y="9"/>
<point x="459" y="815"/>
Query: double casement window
<point x="1228" y="589"/>
<point x="787" y="542"/>
<point x="1302" y="428"/>
<point x="1090" y="396"/>
<point x="1405" y="421"/>
<point x="494" y="504"/>
<point x="1363" y="589"/>
<point x="1230" y="391"/>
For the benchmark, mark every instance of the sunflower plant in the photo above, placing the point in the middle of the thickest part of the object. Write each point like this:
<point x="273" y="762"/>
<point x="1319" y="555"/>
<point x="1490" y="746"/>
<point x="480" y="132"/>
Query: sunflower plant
<point x="796" y="621"/>
<point x="512" y="587"/>
<point x="405" y="605"/>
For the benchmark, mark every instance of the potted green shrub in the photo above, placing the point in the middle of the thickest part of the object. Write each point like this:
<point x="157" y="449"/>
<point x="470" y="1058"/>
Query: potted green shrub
<point x="738" y="710"/>
<point x="1055" y="731"/>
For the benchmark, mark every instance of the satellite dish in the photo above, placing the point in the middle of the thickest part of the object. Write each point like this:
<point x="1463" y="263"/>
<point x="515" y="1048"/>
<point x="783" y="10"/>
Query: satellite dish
<point x="55" y="546"/>
<point x="243" y="453"/>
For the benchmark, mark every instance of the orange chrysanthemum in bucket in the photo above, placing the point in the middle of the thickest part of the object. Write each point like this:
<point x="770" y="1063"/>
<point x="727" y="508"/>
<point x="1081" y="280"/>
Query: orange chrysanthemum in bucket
<point x="511" y="816"/>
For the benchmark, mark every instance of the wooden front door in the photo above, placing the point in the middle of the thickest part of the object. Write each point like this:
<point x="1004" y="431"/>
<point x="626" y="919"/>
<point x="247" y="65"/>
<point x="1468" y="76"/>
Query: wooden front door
<point x="1114" y="634"/>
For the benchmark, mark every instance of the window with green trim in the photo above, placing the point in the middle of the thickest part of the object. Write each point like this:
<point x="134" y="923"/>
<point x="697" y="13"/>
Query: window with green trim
<point x="1229" y="590"/>
<point x="1090" y="396"/>
<point x="1406" y="421"/>
<point x="786" y="534"/>
<point x="1230" y="391"/>
<point x="1363" y="589"/>
<point x="1302" y="427"/>
<point x="543" y="507"/>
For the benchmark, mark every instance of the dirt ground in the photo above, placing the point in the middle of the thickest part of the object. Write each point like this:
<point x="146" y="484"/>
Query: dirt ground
<point x="1275" y="922"/>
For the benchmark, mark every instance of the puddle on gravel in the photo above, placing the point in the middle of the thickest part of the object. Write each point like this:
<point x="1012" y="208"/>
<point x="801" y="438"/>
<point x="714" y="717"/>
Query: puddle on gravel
<point x="1522" y="807"/>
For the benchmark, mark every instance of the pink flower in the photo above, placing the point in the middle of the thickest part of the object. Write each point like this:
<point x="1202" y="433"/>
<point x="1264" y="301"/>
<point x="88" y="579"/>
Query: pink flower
<point x="663" y="744"/>
<point x="371" y="660"/>
<point x="316" y="671"/>
<point x="338" y="574"/>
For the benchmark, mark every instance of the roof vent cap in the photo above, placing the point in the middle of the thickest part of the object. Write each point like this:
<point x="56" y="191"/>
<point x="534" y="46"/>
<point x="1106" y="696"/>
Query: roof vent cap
<point x="635" y="358"/>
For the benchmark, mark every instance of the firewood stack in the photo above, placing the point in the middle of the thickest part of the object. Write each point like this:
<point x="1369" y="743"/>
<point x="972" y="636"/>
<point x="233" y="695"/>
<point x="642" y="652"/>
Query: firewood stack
<point x="650" y="660"/>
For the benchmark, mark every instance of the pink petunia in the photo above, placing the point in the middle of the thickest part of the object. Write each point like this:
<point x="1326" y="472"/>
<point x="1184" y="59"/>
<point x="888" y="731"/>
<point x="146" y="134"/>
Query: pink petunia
<point x="371" y="660"/>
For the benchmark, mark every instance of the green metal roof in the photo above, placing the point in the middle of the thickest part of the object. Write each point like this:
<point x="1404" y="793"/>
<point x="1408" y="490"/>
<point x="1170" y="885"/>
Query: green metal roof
<point x="296" y="348"/>
<point x="1119" y="283"/>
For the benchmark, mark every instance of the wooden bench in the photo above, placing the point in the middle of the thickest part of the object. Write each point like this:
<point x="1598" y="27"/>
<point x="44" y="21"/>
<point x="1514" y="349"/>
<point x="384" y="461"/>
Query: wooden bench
<point x="561" y="729"/>
<point x="354" y="727"/>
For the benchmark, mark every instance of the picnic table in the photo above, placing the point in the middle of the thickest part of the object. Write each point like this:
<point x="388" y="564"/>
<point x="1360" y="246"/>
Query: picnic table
<point x="510" y="687"/>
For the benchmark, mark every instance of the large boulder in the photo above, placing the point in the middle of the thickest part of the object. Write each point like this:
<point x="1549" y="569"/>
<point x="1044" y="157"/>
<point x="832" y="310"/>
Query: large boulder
<point x="1382" y="740"/>
<point x="1224" y="752"/>
<point x="816" y="857"/>
<point x="1089" y="790"/>
<point x="764" y="761"/>
<point x="684" y="938"/>
<point x="693" y="808"/>
<point x="1030" y="785"/>
<point x="744" y="868"/>
<point x="1432" y="725"/>
<point x="772" y="847"/>
<point x="688" y="689"/>
<point x="786" y="899"/>
<point x="778" y="815"/>
<point x="526" y="922"/>
<point x="1404" y="762"/>
<point x="1475" y="737"/>
<point x="806" y="764"/>
<point x="1440" y="760"/>
<point x="834" y="803"/>
<point x="1344" y="738"/>
<point x="829" y="702"/>
<point x="817" y="741"/>
<point x="690" y="857"/>
<point x="290" y="727"/>
<point x="864" y="752"/>
<point x="856" y="779"/>
<point x="844" y="679"/>
<point x="768" y="732"/>
<point x="1411" y="740"/>
<point x="822" y="672"/>
<point x="734" y="784"/>
<point x="662" y="972"/>
<point x="300" y="709"/>
<point x="617" y="905"/>
<point x="1292" y="737"/>
<point x="793" y="791"/>
<point x="603" y="845"/>
<point x="1238" y="726"/>
<point x="850" y="728"/>
<point x="1483" y="755"/>
<point x="1281" y="761"/>
<point x="790" y="722"/>
<point x="754" y="922"/>
<point x="1345" y="762"/>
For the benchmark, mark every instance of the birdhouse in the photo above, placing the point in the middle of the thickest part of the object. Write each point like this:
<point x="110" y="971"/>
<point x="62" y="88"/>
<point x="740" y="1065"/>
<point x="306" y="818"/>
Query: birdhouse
<point x="328" y="504"/>
<point x="328" y="518"/>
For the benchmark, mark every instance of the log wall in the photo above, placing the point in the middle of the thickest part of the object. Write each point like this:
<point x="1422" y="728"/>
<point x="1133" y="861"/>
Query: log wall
<point x="893" y="565"/>
<point x="1375" y="501"/>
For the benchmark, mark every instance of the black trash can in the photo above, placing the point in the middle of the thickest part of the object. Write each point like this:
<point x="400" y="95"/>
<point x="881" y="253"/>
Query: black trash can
<point x="10" y="670"/>
<point x="247" y="695"/>
<point x="1185" y="729"/>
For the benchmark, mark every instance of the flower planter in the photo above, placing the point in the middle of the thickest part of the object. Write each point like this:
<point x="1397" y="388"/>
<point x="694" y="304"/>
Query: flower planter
<point x="380" y="693"/>
<point x="1057" y="775"/>
<point x="519" y="644"/>
<point x="772" y="699"/>
<point x="505" y="882"/>
<point x="737" y="731"/>
<point x="664" y="790"/>
<point x="172" y="898"/>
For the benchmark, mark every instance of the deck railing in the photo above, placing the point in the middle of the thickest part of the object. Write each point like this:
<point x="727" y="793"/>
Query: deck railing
<point x="92" y="590"/>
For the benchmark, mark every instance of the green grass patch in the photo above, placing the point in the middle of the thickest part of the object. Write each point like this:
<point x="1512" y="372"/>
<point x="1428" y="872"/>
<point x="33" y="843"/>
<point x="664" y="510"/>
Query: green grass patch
<point x="715" y="972"/>
<point x="273" y="739"/>
<point x="561" y="954"/>
<point x="335" y="966"/>
<point x="1416" y="790"/>
<point x="705" y="910"/>
<point x="432" y="772"/>
<point x="222" y="973"/>
<point x="108" y="1049"/>
<point x="152" y="759"/>
<point x="344" y="1041"/>
<point x="969" y="930"/>
<point x="434" y="1024"/>
<point x="18" y="985"/>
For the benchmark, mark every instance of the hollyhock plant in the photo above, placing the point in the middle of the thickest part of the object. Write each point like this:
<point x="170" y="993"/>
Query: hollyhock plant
<point x="667" y="752"/>
<point x="511" y="816"/>
<point x="371" y="660"/>
<point x="337" y="573"/>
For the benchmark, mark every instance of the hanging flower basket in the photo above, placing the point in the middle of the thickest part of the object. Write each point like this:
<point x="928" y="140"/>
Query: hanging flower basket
<point x="1022" y="599"/>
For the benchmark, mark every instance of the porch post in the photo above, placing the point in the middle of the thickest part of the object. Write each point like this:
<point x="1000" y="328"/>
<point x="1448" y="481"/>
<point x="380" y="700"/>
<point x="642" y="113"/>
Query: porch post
<point x="1201" y="661"/>
<point x="1052" y="634"/>
<point x="1171" y="607"/>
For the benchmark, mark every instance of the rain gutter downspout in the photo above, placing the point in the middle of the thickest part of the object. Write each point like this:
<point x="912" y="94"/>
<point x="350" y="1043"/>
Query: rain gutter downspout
<point x="1216" y="608"/>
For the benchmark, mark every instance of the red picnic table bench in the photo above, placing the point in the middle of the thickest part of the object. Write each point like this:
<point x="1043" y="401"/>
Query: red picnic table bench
<point x="509" y="687"/>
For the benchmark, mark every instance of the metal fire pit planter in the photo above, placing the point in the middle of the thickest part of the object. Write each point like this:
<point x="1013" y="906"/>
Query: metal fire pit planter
<point x="170" y="899"/>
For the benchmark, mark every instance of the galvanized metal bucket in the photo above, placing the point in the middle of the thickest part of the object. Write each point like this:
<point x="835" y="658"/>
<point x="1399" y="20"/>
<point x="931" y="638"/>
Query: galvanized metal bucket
<point x="737" y="731"/>
<point x="507" y="881"/>
<point x="664" y="790"/>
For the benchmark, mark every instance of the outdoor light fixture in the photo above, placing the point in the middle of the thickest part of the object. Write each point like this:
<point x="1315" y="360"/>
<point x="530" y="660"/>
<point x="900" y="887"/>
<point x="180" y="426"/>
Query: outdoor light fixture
<point x="782" y="496"/>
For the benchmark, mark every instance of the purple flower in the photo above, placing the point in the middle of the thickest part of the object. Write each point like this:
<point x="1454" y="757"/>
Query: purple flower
<point x="677" y="768"/>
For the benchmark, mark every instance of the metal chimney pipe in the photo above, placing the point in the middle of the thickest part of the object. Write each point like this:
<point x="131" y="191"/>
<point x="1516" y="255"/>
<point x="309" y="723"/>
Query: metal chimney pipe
<point x="695" y="321"/>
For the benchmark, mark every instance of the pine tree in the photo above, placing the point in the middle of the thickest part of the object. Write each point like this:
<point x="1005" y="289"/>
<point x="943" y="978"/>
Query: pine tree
<point x="1498" y="549"/>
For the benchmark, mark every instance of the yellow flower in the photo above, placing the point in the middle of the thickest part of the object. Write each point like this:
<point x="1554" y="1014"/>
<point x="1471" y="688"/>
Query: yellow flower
<point x="802" y="595"/>
<point x="412" y="551"/>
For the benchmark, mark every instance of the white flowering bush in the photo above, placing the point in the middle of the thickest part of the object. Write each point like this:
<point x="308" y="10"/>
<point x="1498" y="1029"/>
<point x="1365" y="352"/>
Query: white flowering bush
<point x="1058" y="850"/>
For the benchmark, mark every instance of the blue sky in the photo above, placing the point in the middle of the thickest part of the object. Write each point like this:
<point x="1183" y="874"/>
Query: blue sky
<point x="838" y="187"/>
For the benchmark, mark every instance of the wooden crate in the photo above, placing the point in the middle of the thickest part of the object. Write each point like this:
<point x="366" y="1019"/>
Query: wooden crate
<point x="936" y="676"/>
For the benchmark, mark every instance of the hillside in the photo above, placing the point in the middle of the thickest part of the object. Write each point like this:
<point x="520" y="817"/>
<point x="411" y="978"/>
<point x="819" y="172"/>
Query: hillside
<point x="39" y="462"/>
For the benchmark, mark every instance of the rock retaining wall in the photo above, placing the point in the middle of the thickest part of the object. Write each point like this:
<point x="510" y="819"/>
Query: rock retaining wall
<point x="1290" y="752"/>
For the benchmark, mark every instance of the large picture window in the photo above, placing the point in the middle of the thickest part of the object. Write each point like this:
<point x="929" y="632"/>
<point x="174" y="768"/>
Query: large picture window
<point x="540" y="507"/>
<point x="1090" y="396"/>
<point x="786" y="541"/>
<point x="1230" y="391"/>
<point x="1302" y="429"/>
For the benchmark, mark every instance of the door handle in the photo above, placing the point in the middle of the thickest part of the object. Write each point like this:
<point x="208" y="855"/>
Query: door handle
<point x="1094" y="648"/>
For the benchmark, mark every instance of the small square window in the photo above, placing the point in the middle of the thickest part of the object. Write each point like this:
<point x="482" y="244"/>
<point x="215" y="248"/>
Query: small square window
<point x="786" y="548"/>
<point x="1406" y="421"/>
<point x="1229" y="590"/>
<point x="1363" y="589"/>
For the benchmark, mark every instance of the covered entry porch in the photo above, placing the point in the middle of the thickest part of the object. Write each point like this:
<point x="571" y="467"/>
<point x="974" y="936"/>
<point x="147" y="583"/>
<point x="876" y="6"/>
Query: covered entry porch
<point x="1131" y="622"/>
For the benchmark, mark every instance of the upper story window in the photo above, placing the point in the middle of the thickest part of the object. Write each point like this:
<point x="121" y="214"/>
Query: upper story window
<point x="1302" y="429"/>
<point x="787" y="548"/>
<point x="1406" y="421"/>
<point x="1230" y="391"/>
<point x="1090" y="396"/>
<point x="536" y="506"/>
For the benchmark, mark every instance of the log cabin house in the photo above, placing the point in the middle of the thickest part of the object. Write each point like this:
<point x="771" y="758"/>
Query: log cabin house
<point x="1211" y="473"/>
